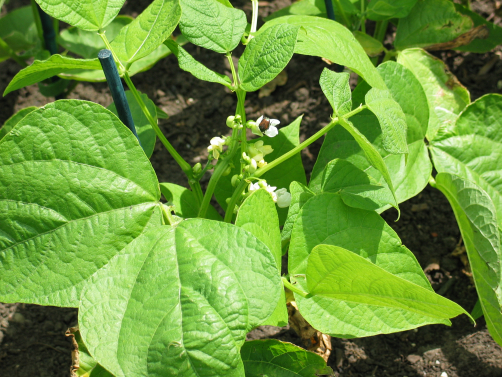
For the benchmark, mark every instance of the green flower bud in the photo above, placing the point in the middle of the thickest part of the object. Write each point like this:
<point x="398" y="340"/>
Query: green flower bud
<point x="231" y="121"/>
<point x="235" y="180"/>
<point x="197" y="168"/>
<point x="227" y="171"/>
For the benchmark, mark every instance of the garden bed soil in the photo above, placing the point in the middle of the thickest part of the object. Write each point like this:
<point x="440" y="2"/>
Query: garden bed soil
<point x="32" y="340"/>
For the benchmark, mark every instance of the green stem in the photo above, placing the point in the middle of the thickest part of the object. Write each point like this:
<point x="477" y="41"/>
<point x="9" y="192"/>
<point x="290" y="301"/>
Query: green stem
<point x="233" y="200"/>
<point x="363" y="17"/>
<point x="344" y="15"/>
<point x="254" y="20"/>
<point x="241" y="98"/>
<point x="380" y="30"/>
<point x="38" y="23"/>
<point x="305" y="144"/>
<point x="166" y="215"/>
<point x="12" y="54"/>
<point x="218" y="172"/>
<point x="232" y="67"/>
<point x="292" y="288"/>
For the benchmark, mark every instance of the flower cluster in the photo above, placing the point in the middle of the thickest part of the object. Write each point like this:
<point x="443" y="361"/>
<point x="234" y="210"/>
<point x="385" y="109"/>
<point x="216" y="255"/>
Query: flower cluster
<point x="282" y="197"/>
<point x="255" y="155"/>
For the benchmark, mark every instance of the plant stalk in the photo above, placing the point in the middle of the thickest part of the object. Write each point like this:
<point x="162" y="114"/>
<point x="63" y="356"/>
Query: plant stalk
<point x="344" y="15"/>
<point x="292" y="288"/>
<point x="363" y="16"/>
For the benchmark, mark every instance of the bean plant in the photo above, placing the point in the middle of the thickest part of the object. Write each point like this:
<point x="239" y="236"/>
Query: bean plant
<point x="172" y="288"/>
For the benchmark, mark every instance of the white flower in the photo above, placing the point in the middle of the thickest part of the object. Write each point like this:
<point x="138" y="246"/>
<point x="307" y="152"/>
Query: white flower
<point x="257" y="150"/>
<point x="254" y="186"/>
<point x="283" y="198"/>
<point x="265" y="126"/>
<point x="216" y="146"/>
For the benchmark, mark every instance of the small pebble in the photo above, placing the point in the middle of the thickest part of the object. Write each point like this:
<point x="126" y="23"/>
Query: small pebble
<point x="444" y="374"/>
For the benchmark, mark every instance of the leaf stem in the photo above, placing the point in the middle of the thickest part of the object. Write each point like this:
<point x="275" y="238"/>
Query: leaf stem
<point x="4" y="46"/>
<point x="229" y="213"/>
<point x="344" y="15"/>
<point x="363" y="17"/>
<point x="218" y="172"/>
<point x="380" y="30"/>
<point x="232" y="67"/>
<point x="254" y="19"/>
<point x="292" y="288"/>
<point x="166" y="215"/>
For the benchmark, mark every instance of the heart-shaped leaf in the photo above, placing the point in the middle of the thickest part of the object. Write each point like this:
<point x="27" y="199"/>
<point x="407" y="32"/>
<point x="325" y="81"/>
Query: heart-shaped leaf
<point x="179" y="301"/>
<point x="75" y="189"/>
<point x="13" y="120"/>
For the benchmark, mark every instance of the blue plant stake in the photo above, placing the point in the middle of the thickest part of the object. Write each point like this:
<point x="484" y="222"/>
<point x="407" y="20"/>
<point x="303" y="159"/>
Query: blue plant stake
<point x="330" y="9"/>
<point x="49" y="33"/>
<point x="117" y="89"/>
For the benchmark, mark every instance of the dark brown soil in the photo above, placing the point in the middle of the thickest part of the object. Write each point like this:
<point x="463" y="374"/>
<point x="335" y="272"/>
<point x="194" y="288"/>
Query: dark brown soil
<point x="32" y="341"/>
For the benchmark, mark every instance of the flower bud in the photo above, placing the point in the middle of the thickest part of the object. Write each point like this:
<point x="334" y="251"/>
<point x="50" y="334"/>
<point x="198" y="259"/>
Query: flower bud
<point x="235" y="180"/>
<point x="227" y="171"/>
<point x="231" y="121"/>
<point x="197" y="168"/>
<point x="245" y="157"/>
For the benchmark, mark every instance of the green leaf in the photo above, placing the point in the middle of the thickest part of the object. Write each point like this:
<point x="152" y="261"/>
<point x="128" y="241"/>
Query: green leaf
<point x="408" y="177"/>
<point x="325" y="219"/>
<point x="88" y="43"/>
<point x="357" y="188"/>
<point x="75" y="189"/>
<point x="18" y="30"/>
<point x="300" y="194"/>
<point x="331" y="40"/>
<point x="336" y="88"/>
<point x="144" y="129"/>
<point x="431" y="22"/>
<point x="258" y="215"/>
<point x="372" y="46"/>
<point x="15" y="119"/>
<point x="282" y="175"/>
<point x="266" y="56"/>
<point x="90" y="15"/>
<point x="212" y="25"/>
<point x="199" y="70"/>
<point x="147" y="32"/>
<point x="347" y="278"/>
<point x="270" y="357"/>
<point x="477" y="311"/>
<point x="179" y="301"/>
<point x="477" y="219"/>
<point x="481" y="46"/>
<point x="379" y="10"/>
<point x="373" y="157"/>
<point x="391" y="118"/>
<point x="43" y="69"/>
<point x="185" y="202"/>
<point x="472" y="149"/>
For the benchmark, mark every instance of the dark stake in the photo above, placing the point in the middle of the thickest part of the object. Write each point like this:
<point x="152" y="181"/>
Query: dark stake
<point x="329" y="9"/>
<point x="117" y="89"/>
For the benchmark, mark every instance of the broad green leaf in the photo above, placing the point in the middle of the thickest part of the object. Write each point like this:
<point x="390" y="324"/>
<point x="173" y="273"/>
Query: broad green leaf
<point x="477" y="219"/>
<point x="325" y="219"/>
<point x="477" y="311"/>
<point x="300" y="194"/>
<point x="266" y="56"/>
<point x="336" y="88"/>
<point x="90" y="15"/>
<point x="472" y="149"/>
<point x="371" y="46"/>
<point x="408" y="177"/>
<point x="88" y="43"/>
<point x="148" y="31"/>
<point x="18" y="30"/>
<point x="144" y="129"/>
<point x="379" y="10"/>
<point x="212" y="25"/>
<point x="258" y="215"/>
<point x="357" y="188"/>
<point x="391" y="118"/>
<point x="43" y="69"/>
<point x="75" y="189"/>
<point x="179" y="301"/>
<point x="481" y="46"/>
<point x="185" y="202"/>
<point x="431" y="22"/>
<point x="13" y="120"/>
<point x="373" y="157"/>
<point x="312" y="8"/>
<point x="347" y="278"/>
<point x="271" y="357"/>
<point x="331" y="40"/>
<point x="199" y="70"/>
<point x="282" y="175"/>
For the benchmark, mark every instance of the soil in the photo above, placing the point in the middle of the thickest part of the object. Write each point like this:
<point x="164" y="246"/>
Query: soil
<point x="32" y="340"/>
